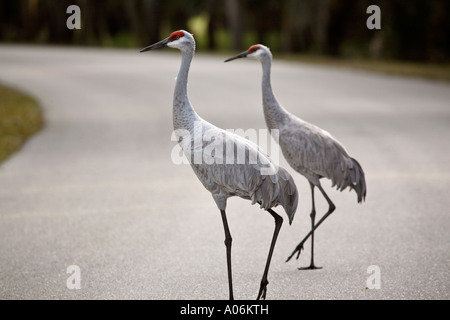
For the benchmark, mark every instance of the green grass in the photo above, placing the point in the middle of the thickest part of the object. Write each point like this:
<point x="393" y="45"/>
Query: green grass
<point x="20" y="117"/>
<point x="120" y="40"/>
<point x="432" y="71"/>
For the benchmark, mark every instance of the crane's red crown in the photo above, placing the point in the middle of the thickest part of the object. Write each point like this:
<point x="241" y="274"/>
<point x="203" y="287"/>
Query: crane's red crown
<point x="253" y="48"/>
<point x="176" y="35"/>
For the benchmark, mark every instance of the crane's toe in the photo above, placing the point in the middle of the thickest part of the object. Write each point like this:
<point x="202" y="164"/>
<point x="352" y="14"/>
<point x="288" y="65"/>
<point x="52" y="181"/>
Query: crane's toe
<point x="262" y="290"/>
<point x="311" y="267"/>
<point x="297" y="250"/>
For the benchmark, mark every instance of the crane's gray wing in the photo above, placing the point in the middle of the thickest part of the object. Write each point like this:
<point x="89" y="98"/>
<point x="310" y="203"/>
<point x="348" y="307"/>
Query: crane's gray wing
<point x="234" y="166"/>
<point x="315" y="153"/>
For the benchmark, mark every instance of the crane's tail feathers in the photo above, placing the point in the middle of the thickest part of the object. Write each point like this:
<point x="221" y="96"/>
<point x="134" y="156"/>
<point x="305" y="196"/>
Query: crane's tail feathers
<point x="289" y="193"/>
<point x="278" y="189"/>
<point x="356" y="180"/>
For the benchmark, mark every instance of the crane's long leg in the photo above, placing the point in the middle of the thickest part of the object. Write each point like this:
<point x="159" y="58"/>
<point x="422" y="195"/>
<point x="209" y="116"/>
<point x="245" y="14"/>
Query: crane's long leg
<point x="264" y="282"/>
<point x="331" y="208"/>
<point x="313" y="217"/>
<point x="228" y="241"/>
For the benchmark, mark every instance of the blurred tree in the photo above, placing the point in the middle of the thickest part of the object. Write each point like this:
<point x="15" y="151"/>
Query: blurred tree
<point x="305" y="25"/>
<point x="263" y="17"/>
<point x="233" y="11"/>
<point x="152" y="11"/>
<point x="212" y="8"/>
<point x="410" y="30"/>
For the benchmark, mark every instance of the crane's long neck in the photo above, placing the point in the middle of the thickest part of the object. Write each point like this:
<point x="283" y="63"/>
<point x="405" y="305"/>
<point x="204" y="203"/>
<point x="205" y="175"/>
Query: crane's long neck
<point x="184" y="114"/>
<point x="274" y="114"/>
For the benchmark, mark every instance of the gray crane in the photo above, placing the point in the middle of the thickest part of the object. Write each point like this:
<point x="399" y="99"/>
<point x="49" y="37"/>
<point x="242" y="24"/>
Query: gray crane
<point x="221" y="173"/>
<point x="308" y="149"/>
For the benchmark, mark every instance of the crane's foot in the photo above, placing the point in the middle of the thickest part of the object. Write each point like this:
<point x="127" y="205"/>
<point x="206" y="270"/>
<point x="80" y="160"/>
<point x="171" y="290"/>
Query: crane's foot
<point x="262" y="290"/>
<point x="311" y="267"/>
<point x="297" y="250"/>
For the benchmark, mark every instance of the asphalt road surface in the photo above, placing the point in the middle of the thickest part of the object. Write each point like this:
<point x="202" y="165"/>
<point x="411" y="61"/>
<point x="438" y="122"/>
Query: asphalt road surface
<point x="97" y="187"/>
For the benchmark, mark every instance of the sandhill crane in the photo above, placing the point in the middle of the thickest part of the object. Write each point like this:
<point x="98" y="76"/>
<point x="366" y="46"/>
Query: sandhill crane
<point x="308" y="149"/>
<point x="260" y="181"/>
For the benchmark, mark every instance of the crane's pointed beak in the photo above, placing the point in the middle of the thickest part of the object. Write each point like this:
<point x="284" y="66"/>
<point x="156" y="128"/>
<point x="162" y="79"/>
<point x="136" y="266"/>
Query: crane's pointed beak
<point x="160" y="44"/>
<point x="240" y="55"/>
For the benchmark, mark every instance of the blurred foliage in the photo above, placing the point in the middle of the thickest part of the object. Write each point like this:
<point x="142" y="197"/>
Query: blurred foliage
<point x="415" y="30"/>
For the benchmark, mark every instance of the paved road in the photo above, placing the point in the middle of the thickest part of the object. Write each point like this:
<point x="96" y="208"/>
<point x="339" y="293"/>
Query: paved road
<point x="97" y="188"/>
